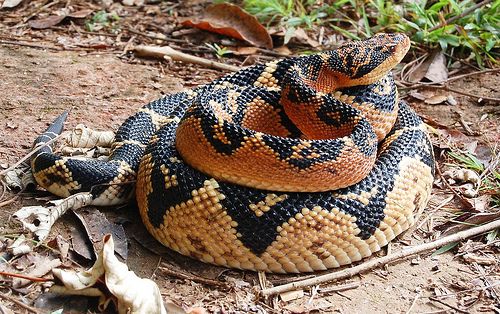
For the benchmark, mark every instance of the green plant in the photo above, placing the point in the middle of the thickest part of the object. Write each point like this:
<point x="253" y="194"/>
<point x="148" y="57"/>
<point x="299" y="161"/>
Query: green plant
<point x="288" y="13"/>
<point x="463" y="28"/>
<point x="468" y="160"/>
<point x="490" y="177"/>
<point x="468" y="28"/>
<point x="101" y="19"/>
<point x="220" y="51"/>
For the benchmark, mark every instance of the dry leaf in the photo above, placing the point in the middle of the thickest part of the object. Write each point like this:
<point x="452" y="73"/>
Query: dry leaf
<point x="437" y="71"/>
<point x="301" y="36"/>
<point x="292" y="295"/>
<point x="230" y="20"/>
<point x="283" y="50"/>
<point x="244" y="51"/>
<point x="133" y="2"/>
<point x="435" y="100"/>
<point x="10" y="3"/>
<point x="56" y="19"/>
<point x="97" y="225"/>
<point x="433" y="68"/>
<point x="467" y="220"/>
<point x="46" y="22"/>
<point x="81" y="14"/>
<point x="132" y="294"/>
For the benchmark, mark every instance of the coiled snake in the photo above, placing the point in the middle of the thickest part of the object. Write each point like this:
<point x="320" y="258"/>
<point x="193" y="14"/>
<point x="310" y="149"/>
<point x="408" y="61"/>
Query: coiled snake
<point x="296" y="165"/>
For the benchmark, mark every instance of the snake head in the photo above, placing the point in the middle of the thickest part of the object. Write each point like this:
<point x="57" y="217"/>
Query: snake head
<point x="354" y="63"/>
<point x="365" y="62"/>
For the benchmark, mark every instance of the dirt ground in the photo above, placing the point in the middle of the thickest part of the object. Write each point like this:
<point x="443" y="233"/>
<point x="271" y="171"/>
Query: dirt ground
<point x="102" y="87"/>
<point x="102" y="91"/>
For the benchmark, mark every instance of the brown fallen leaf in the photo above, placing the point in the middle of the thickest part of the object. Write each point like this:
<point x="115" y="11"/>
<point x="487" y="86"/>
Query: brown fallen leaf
<point x="436" y="99"/>
<point x="433" y="69"/>
<point x="97" y="225"/>
<point x="301" y="36"/>
<point x="437" y="71"/>
<point x="467" y="219"/>
<point x="230" y="20"/>
<point x="81" y="14"/>
<point x="46" y="22"/>
<point x="244" y="51"/>
<point x="53" y="20"/>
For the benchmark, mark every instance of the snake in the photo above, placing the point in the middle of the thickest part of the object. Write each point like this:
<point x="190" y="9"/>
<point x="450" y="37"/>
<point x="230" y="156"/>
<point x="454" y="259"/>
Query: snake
<point x="295" y="165"/>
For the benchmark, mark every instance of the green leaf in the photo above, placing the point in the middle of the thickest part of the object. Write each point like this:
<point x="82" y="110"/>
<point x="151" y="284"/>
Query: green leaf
<point x="444" y="249"/>
<point x="492" y="235"/>
<point x="288" y="34"/>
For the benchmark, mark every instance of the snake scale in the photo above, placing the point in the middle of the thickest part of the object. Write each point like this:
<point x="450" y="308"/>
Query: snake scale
<point x="297" y="165"/>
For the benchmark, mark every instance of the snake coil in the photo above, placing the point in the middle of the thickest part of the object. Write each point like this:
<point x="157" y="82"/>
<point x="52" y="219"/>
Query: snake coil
<point x="296" y="165"/>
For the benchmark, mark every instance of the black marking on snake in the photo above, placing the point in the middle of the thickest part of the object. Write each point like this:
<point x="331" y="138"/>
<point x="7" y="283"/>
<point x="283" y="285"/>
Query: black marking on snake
<point x="335" y="113"/>
<point x="384" y="103"/>
<point x="138" y="127"/>
<point x="257" y="233"/>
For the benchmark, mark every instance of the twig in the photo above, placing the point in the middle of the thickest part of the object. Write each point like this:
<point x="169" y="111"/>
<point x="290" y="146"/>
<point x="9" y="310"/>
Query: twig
<point x="18" y="43"/>
<point x="168" y="52"/>
<point x="19" y="303"/>
<point x="424" y="85"/>
<point x="39" y="9"/>
<point x="448" y="305"/>
<point x="456" y="17"/>
<point x="454" y="78"/>
<point x="174" y="40"/>
<point x="191" y="277"/>
<point x="29" y="155"/>
<point x="466" y="204"/>
<point x="34" y="279"/>
<point x="417" y="296"/>
<point x="9" y="201"/>
<point x="347" y="286"/>
<point x="347" y="273"/>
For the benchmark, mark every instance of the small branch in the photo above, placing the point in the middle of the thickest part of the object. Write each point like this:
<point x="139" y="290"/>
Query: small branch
<point x="448" y="305"/>
<point x="27" y="156"/>
<point x="350" y="272"/>
<point x="31" y="45"/>
<point x="456" y="17"/>
<point x="19" y="303"/>
<point x="464" y="203"/>
<point x="454" y="78"/>
<point x="194" y="278"/>
<point x="174" y="40"/>
<point x="34" y="279"/>
<point x="170" y="53"/>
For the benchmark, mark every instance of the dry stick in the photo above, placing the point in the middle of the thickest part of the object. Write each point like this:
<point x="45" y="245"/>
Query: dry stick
<point x="454" y="78"/>
<point x="34" y="279"/>
<point x="174" y="40"/>
<point x="168" y="52"/>
<point x="465" y="203"/>
<point x="456" y="17"/>
<point x="423" y="85"/>
<point x="17" y="43"/>
<point x="194" y="278"/>
<point x="9" y="201"/>
<point x="448" y="305"/>
<point x="464" y="93"/>
<point x="346" y="273"/>
<point x="19" y="303"/>
<point x="29" y="155"/>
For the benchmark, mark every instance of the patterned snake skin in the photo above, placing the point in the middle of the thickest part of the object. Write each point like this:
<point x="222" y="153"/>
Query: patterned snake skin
<point x="296" y="165"/>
